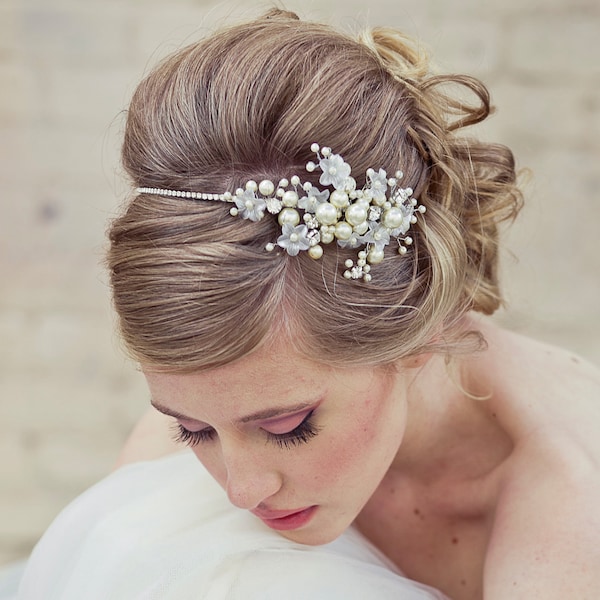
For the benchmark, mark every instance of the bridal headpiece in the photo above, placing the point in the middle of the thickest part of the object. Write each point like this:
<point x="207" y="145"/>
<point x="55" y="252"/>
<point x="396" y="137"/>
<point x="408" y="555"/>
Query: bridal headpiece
<point x="368" y="218"/>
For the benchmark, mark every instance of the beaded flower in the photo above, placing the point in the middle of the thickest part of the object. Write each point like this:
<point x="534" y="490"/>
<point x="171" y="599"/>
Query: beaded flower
<point x="370" y="217"/>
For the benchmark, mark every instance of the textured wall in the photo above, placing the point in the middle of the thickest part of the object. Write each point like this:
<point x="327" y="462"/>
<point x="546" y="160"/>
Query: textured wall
<point x="67" y="68"/>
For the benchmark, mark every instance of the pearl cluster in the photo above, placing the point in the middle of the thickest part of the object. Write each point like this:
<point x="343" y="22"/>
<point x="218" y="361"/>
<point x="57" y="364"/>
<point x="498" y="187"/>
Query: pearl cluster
<point x="310" y="218"/>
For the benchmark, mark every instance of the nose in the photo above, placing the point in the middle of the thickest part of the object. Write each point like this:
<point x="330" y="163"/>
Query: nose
<point x="250" y="478"/>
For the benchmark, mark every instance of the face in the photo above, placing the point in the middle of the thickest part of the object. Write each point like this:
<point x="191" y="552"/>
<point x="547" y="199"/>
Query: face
<point x="301" y="445"/>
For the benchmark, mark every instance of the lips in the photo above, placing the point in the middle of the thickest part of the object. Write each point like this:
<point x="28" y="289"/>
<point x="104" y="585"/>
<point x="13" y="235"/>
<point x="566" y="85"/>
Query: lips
<point x="285" y="519"/>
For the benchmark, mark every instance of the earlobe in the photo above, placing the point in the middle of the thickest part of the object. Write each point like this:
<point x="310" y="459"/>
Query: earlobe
<point x="415" y="362"/>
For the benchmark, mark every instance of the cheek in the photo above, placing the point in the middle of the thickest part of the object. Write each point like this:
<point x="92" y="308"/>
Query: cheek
<point x="347" y="454"/>
<point x="365" y="447"/>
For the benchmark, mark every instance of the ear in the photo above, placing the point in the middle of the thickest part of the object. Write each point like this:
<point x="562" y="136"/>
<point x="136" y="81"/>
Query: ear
<point x="415" y="362"/>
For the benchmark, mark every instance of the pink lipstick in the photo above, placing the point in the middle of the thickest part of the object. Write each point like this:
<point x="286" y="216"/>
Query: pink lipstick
<point x="284" y="520"/>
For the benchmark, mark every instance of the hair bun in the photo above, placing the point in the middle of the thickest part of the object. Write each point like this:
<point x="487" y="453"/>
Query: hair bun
<point x="281" y="15"/>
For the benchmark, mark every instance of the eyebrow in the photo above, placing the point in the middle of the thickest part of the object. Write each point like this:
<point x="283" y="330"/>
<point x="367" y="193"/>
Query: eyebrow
<point x="261" y="415"/>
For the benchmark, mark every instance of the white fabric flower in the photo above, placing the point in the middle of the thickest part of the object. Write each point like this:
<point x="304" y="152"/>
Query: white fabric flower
<point x="378" y="185"/>
<point x="378" y="235"/>
<point x="294" y="238"/>
<point x="313" y="198"/>
<point x="250" y="206"/>
<point x="335" y="171"/>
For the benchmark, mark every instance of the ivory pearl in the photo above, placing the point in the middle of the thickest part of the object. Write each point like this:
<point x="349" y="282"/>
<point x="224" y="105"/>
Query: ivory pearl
<point x="327" y="237"/>
<point x="393" y="218"/>
<point x="339" y="199"/>
<point x="266" y="187"/>
<point x="315" y="252"/>
<point x="361" y="228"/>
<point x="288" y="216"/>
<point x="343" y="230"/>
<point x="326" y="213"/>
<point x="290" y="198"/>
<point x="375" y="256"/>
<point x="356" y="214"/>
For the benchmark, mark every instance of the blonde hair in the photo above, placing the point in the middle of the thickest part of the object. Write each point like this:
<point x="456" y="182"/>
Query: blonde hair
<point x="194" y="287"/>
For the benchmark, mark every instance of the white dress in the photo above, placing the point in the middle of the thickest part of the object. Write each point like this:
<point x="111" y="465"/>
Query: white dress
<point x="164" y="530"/>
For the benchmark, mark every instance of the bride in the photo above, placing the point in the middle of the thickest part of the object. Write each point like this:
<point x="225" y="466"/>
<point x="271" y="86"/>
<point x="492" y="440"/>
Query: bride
<point x="303" y="274"/>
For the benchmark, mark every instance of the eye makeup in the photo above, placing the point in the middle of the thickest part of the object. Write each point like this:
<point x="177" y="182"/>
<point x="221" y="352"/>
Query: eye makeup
<point x="286" y="432"/>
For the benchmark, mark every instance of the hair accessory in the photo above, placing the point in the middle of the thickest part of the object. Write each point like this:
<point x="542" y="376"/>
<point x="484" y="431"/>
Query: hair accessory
<point x="371" y="217"/>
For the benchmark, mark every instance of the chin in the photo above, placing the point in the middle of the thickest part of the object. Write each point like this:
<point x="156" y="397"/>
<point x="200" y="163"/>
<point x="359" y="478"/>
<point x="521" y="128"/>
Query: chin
<point x="312" y="537"/>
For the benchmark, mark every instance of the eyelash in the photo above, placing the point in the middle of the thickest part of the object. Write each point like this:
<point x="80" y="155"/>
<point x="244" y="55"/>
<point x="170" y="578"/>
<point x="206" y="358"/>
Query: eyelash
<point x="302" y="434"/>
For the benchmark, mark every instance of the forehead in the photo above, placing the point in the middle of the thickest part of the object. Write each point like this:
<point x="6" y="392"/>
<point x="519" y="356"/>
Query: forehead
<point x="266" y="377"/>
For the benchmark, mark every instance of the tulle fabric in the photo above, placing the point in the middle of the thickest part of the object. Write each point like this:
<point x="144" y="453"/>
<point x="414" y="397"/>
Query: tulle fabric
<point x="164" y="530"/>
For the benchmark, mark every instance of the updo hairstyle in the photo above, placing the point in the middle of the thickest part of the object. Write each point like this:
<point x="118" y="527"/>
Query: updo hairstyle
<point x="194" y="287"/>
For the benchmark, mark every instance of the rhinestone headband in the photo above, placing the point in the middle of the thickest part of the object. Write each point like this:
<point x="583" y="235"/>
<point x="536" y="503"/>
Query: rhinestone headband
<point x="370" y="217"/>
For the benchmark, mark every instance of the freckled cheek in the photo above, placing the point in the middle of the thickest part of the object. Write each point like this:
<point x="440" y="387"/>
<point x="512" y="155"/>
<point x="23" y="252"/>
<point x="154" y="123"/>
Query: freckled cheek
<point x="345" y="455"/>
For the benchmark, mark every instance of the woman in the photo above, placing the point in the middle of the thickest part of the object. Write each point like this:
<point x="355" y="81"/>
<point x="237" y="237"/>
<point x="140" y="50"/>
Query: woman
<point x="301" y="275"/>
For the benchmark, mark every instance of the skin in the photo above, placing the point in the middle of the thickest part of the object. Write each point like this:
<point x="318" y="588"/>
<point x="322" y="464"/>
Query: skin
<point x="493" y="498"/>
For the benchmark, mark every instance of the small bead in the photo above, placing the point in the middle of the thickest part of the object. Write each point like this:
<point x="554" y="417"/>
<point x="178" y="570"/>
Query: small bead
<point x="367" y="277"/>
<point x="402" y="250"/>
<point x="310" y="166"/>
<point x="251" y="185"/>
<point x="227" y="197"/>
<point x="270" y="247"/>
<point x="422" y="209"/>
<point x="347" y="275"/>
<point x="314" y="148"/>
<point x="295" y="180"/>
<point x="233" y="211"/>
<point x="284" y="183"/>
<point x="307" y="186"/>
<point x="280" y="192"/>
<point x="408" y="240"/>
<point x="349" y="263"/>
<point x="398" y="174"/>
<point x="413" y="219"/>
<point x="370" y="172"/>
<point x="239" y="192"/>
<point x="362" y="254"/>
<point x="325" y="151"/>
<point x="367" y="268"/>
<point x="361" y="262"/>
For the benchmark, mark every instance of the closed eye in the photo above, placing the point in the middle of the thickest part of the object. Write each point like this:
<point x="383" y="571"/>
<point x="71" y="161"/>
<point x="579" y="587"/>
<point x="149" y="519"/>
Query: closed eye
<point x="297" y="435"/>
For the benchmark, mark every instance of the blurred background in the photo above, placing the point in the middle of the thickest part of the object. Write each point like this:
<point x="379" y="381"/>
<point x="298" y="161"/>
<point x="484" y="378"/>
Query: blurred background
<point x="68" y="396"/>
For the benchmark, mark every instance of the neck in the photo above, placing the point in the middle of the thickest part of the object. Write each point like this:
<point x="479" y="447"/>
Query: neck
<point x="451" y="436"/>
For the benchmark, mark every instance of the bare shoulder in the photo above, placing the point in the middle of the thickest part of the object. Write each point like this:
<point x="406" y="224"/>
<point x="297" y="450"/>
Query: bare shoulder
<point x="542" y="390"/>
<point x="544" y="542"/>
